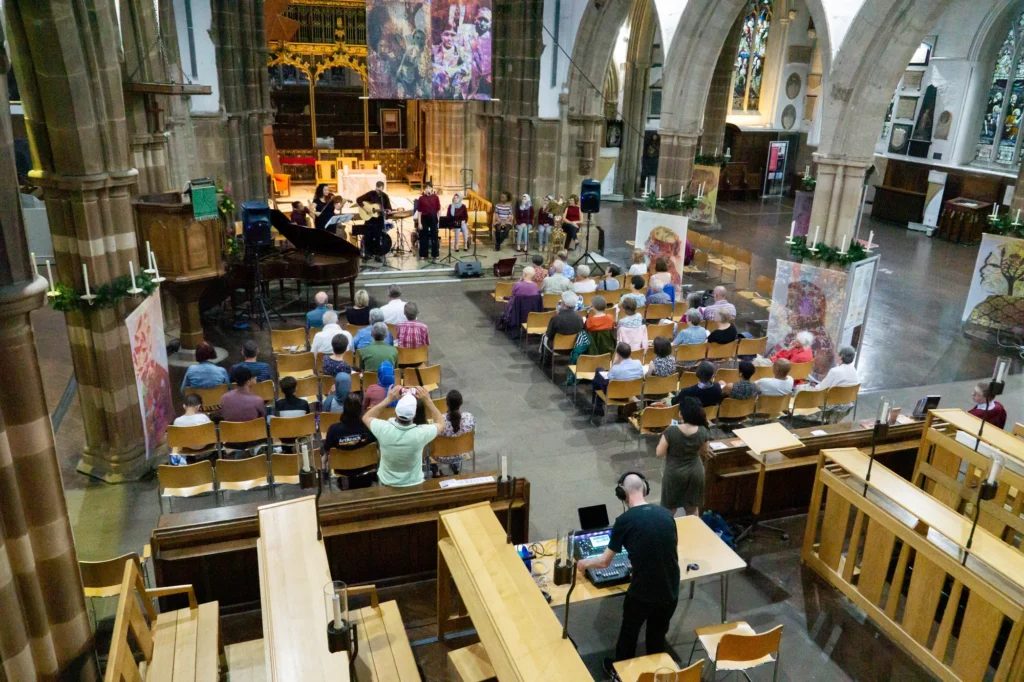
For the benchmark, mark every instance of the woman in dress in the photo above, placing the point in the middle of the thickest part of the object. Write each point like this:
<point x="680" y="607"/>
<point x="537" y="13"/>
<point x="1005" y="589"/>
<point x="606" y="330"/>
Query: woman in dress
<point x="681" y="446"/>
<point x="456" y="423"/>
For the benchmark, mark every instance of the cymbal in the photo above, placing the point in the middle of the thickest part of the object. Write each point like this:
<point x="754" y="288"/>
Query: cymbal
<point x="402" y="214"/>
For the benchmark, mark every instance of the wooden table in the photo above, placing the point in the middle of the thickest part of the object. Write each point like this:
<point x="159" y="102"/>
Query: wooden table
<point x="963" y="220"/>
<point x="697" y="544"/>
<point x="518" y="629"/>
<point x="768" y="438"/>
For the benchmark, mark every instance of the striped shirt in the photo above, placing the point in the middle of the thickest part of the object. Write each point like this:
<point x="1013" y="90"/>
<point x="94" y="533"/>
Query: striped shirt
<point x="503" y="213"/>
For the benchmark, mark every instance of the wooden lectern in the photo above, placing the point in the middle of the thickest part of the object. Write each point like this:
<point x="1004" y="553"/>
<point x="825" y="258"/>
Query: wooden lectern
<point x="187" y="251"/>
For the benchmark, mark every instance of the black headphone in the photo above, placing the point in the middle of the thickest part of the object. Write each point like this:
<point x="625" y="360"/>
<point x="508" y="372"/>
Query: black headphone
<point x="620" y="492"/>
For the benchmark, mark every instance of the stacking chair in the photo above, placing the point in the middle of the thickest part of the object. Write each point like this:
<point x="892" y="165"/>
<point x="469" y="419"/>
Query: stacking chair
<point x="586" y="368"/>
<point x="652" y="420"/>
<point x="243" y="474"/>
<point x="348" y="356"/>
<point x="752" y="346"/>
<point x="246" y="437"/>
<point x="762" y="372"/>
<point x="427" y="377"/>
<point x="326" y="420"/>
<point x="691" y="352"/>
<point x="562" y="343"/>
<point x="710" y="325"/>
<point x="311" y="333"/>
<point x="727" y="374"/>
<point x="644" y="669"/>
<point x="292" y="428"/>
<point x="502" y="292"/>
<point x="721" y="351"/>
<point x="771" y="407"/>
<point x="734" y="412"/>
<point x="536" y="324"/>
<point x="413" y="357"/>
<point x="296" y="365"/>
<point x="656" y="388"/>
<point x="839" y="396"/>
<point x="190" y="480"/>
<point x="736" y="647"/>
<point x="393" y="330"/>
<point x="737" y="270"/>
<point x="441" y="404"/>
<point x="551" y="301"/>
<point x="265" y="390"/>
<point x="588" y="298"/>
<point x="658" y="311"/>
<point x="210" y="396"/>
<point x="284" y="469"/>
<point x="353" y="329"/>
<point x="308" y="388"/>
<point x="194" y="441"/>
<point x="611" y="297"/>
<point x="449" y="446"/>
<point x="360" y="380"/>
<point x="639" y="355"/>
<point x="699" y="264"/>
<point x="656" y="330"/>
<point x="712" y="412"/>
<point x="362" y="460"/>
<point x="687" y="379"/>
<point x="102" y="580"/>
<point x="762" y="287"/>
<point x="809" y="402"/>
<point x="387" y="413"/>
<point x="618" y="394"/>
<point x="801" y="370"/>
<point x="288" y="340"/>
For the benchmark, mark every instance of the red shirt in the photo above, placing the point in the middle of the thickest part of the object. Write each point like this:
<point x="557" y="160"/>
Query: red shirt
<point x="429" y="204"/>
<point x="995" y="415"/>
<point x="524" y="216"/>
<point x="461" y="214"/>
<point x="572" y="214"/>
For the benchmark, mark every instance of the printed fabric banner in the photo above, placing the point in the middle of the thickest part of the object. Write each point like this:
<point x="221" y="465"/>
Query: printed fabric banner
<point x="708" y="176"/>
<point x="429" y="49"/>
<point x="807" y="298"/>
<point x="663" y="235"/>
<point x="149" y="358"/>
<point x="996" y="298"/>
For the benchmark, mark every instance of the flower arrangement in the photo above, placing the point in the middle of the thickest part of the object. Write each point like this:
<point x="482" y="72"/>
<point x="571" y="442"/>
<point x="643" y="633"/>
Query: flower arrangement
<point x="830" y="255"/>
<point x="65" y="299"/>
<point x="672" y="203"/>
<point x="1002" y="225"/>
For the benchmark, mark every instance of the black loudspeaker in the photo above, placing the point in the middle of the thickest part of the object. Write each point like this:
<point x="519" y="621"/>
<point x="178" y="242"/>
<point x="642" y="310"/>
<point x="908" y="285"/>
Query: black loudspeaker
<point x="470" y="269"/>
<point x="590" y="196"/>
<point x="256" y="224"/>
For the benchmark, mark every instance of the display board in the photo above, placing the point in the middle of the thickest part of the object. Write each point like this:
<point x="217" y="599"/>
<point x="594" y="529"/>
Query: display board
<point x="149" y="359"/>
<point x="705" y="178"/>
<point x="996" y="298"/>
<point x="775" y="175"/>
<point x="858" y="301"/>
<point x="429" y="49"/>
<point x="663" y="235"/>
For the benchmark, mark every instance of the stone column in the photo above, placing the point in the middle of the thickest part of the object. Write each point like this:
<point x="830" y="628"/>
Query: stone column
<point x="837" y="198"/>
<point x="675" y="161"/>
<point x="642" y="22"/>
<point x="1018" y="194"/>
<point x="719" y="101"/>
<point x="75" y="117"/>
<point x="45" y="633"/>
<point x="445" y="144"/>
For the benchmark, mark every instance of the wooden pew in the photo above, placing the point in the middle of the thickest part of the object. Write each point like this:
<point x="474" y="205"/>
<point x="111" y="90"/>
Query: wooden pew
<point x="379" y="535"/>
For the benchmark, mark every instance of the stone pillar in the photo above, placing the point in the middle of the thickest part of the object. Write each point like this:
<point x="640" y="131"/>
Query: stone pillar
<point x="675" y="162"/>
<point x="1018" y="193"/>
<point x="837" y="198"/>
<point x="445" y="144"/>
<point x="45" y="633"/>
<point x="75" y="117"/>
<point x="642" y="22"/>
<point x="719" y="101"/>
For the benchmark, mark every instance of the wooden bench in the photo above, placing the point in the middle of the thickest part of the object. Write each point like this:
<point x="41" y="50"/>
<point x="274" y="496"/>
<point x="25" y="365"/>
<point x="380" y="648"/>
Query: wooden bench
<point x="176" y="645"/>
<point x="470" y="664"/>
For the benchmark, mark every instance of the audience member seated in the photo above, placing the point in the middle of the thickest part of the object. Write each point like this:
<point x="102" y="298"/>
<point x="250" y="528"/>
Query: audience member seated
<point x="204" y="374"/>
<point x="364" y="337"/>
<point x="801" y="350"/>
<point x="394" y="309"/>
<point x="584" y="284"/>
<point x="565" y="321"/>
<point x="567" y="269"/>
<point x="599" y="320"/>
<point x="379" y="351"/>
<point x="681" y="445"/>
<point x="350" y="433"/>
<point x="658" y="294"/>
<point x="611" y="279"/>
<point x="375" y="393"/>
<point x="720" y="303"/>
<point x="556" y="282"/>
<point x="631" y="329"/>
<point x="843" y="374"/>
<point x="986" y="407"/>
<point x="401" y="441"/>
<point x="693" y="333"/>
<point x="315" y="317"/>
<point x="260" y="370"/>
<point x="780" y="383"/>
<point x="193" y="416"/>
<point x="726" y="332"/>
<point x="661" y="273"/>
<point x="663" y="364"/>
<point x="707" y="391"/>
<point x="335" y="362"/>
<point x="412" y="333"/>
<point x="456" y="423"/>
<point x="624" y="368"/>
<point x="240" y="404"/>
<point x="358" y="313"/>
<point x="636" y="291"/>
<point x="322" y="341"/>
<point x="527" y="284"/>
<point x="639" y="264"/>
<point x="289" y="405"/>
<point x="744" y="388"/>
<point x="342" y="388"/>
<point x="539" y="271"/>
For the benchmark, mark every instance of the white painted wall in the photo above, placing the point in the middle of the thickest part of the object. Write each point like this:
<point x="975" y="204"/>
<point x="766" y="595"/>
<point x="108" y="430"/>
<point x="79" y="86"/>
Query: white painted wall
<point x="206" y="55"/>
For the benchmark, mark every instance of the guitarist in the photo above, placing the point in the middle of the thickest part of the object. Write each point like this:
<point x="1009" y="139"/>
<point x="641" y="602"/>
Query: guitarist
<point x="377" y="203"/>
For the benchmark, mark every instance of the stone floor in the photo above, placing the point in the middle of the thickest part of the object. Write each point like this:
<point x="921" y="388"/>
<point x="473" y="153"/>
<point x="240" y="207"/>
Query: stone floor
<point x="913" y="346"/>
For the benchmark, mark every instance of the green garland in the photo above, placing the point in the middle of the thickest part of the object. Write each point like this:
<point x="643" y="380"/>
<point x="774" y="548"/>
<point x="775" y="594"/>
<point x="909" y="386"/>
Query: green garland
<point x="1002" y="225"/>
<point x="107" y="295"/>
<point x="827" y="254"/>
<point x="226" y="207"/>
<point x="808" y="184"/>
<point x="711" y="160"/>
<point x="672" y="203"/>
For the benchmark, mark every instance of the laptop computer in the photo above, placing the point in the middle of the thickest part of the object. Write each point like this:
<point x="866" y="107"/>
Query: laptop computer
<point x="593" y="517"/>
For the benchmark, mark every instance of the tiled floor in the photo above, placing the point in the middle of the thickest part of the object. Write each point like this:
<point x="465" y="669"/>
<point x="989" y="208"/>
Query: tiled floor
<point x="913" y="346"/>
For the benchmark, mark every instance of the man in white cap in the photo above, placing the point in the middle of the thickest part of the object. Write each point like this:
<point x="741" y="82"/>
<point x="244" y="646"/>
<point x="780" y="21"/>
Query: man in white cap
<point x="401" y="441"/>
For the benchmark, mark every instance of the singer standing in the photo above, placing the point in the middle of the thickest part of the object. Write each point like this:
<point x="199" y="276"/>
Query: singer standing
<point x="429" y="207"/>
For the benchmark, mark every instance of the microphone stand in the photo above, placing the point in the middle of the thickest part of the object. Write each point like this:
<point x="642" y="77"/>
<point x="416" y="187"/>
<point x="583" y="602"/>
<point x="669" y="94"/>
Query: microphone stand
<point x="987" y="489"/>
<point x="598" y="268"/>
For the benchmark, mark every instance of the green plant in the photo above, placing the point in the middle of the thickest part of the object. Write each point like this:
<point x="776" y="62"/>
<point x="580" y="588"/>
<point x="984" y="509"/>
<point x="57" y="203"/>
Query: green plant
<point x="671" y="203"/>
<point x="107" y="295"/>
<point x="1002" y="225"/>
<point x="829" y="255"/>
<point x="808" y="184"/>
<point x="226" y="207"/>
<point x="711" y="160"/>
<point x="232" y="249"/>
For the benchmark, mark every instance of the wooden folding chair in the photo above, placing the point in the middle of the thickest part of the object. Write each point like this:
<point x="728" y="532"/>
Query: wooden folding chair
<point x="296" y="365"/>
<point x="441" y="404"/>
<point x="611" y="297"/>
<point x="586" y="368"/>
<point x="210" y="396"/>
<point x="728" y="375"/>
<point x="699" y="264"/>
<point x="243" y="474"/>
<point x="353" y="329"/>
<point x="535" y="325"/>
<point x="839" y="396"/>
<point x="733" y="412"/>
<point x="102" y="579"/>
<point x="190" y="480"/>
<point x="413" y="357"/>
<point x="657" y="388"/>
<point x="562" y="343"/>
<point x="721" y="351"/>
<point x="265" y="390"/>
<point x="652" y="420"/>
<point x="691" y="352"/>
<point x="762" y="372"/>
<point x="809" y="402"/>
<point x="658" y="312"/>
<point x="288" y="340"/>
<point x="687" y="379"/>
<point x="502" y="292"/>
<point x="644" y="668"/>
<point x="427" y="377"/>
<point x="618" y="394"/>
<point x="246" y="437"/>
<point x="393" y="330"/>
<point x="551" y="301"/>
<point x="752" y="346"/>
<point x="311" y="333"/>
<point x="292" y="428"/>
<point x="640" y="354"/>
<point x="771" y="406"/>
<point x="348" y="462"/>
<point x="326" y="420"/>
<point x="801" y="370"/>
<point x="663" y="330"/>
<point x="360" y="380"/>
<point x="450" y="446"/>
<point x="735" y="647"/>
<point x="588" y="298"/>
<point x="194" y="441"/>
<point x="308" y="389"/>
<point x="762" y="284"/>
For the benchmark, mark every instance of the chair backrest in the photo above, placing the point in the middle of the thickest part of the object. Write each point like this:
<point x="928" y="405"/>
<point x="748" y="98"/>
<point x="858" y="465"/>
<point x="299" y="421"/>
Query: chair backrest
<point x="691" y="352"/>
<point x="716" y="246"/>
<point x="284" y="468"/>
<point x="658" y="311"/>
<point x="638" y="354"/>
<point x="592" y="363"/>
<point x="721" y="351"/>
<point x="441" y="404"/>
<point x="711" y="412"/>
<point x="1018" y="429"/>
<point x="210" y="396"/>
<point x="700" y="260"/>
<point x="736" y="409"/>
<point x="353" y="329"/>
<point x="842" y="395"/>
<point x="764" y="285"/>
<point x="104" y="578"/>
<point x="744" y="256"/>
<point x="292" y="427"/>
<point x="660" y="385"/>
<point x="729" y="375"/>
<point x="293" y="363"/>
<point x="421" y="376"/>
<point x="663" y="330"/>
<point x="772" y="405"/>
<point x="360" y="380"/>
<point x="710" y="325"/>
<point x="503" y="289"/>
<point x="450" y="446"/>
<point x="135" y="616"/>
<point x="692" y="673"/>
<point x="348" y="460"/>
<point x="622" y="389"/>
<point x="413" y="356"/>
<point x="801" y="370"/>
<point x="243" y="432"/>
<point x="539" y="320"/>
<point x="393" y="330"/>
<point x="752" y="346"/>
<point x="195" y="475"/>
<point x="809" y="398"/>
<point x="687" y="379"/>
<point x="280" y="339"/>
<point x="657" y="417"/>
<point x="328" y="419"/>
<point x="588" y="298"/>
<point x="309" y="387"/>
<point x="551" y="301"/>
<point x="564" y="342"/>
<point x="265" y="390"/>
<point x="762" y="372"/>
<point x="611" y="297"/>
<point x="741" y="648"/>
<point x="192" y="437"/>
<point x="249" y="470"/>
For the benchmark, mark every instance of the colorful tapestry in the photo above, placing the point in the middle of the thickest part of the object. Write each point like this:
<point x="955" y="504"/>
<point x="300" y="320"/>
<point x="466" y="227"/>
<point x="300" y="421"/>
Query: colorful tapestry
<point x="708" y="177"/>
<point x="807" y="298"/>
<point x="663" y="235"/>
<point x="149" y="358"/>
<point x="996" y="298"/>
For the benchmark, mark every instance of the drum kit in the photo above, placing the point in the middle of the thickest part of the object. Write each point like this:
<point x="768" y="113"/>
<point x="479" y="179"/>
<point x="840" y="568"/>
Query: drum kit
<point x="378" y="244"/>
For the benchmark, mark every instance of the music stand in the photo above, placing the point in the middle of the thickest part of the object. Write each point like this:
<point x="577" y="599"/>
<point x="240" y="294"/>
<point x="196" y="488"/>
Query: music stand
<point x="447" y="223"/>
<point x="587" y="255"/>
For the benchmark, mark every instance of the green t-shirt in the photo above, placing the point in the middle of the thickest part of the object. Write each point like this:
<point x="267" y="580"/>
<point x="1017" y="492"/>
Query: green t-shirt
<point x="401" y="451"/>
<point x="371" y="356"/>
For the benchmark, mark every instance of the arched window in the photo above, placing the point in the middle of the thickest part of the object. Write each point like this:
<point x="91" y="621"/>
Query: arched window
<point x="749" y="70"/>
<point x="999" y="141"/>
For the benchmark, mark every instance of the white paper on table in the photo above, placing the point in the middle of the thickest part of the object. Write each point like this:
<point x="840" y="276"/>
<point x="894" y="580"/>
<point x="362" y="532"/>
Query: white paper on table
<point x="819" y="432"/>
<point x="715" y="445"/>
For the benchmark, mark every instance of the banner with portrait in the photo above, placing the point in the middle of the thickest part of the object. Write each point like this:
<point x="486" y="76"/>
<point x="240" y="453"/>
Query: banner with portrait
<point x="152" y="380"/>
<point x="663" y="235"/>
<point x="429" y="49"/>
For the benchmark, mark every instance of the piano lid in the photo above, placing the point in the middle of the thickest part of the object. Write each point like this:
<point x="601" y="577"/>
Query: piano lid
<point x="307" y="239"/>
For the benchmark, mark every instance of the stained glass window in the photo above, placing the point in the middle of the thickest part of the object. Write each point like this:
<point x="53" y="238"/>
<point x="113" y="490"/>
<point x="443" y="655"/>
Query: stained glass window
<point x="999" y="137"/>
<point x="749" y="66"/>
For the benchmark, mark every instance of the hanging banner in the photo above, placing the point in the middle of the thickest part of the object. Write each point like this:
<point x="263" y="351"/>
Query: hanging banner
<point x="663" y="235"/>
<point x="996" y="298"/>
<point x="705" y="178"/>
<point x="152" y="380"/>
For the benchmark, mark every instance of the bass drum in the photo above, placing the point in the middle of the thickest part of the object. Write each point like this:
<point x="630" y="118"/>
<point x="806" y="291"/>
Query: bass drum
<point x="378" y="245"/>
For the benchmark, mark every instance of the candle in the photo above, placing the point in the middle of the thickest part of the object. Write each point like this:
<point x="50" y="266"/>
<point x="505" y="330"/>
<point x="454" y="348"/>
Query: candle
<point x="995" y="210"/>
<point x="792" y="230"/>
<point x="1017" y="219"/>
<point x="156" y="270"/>
<point x="807" y="171"/>
<point x="728" y="152"/>
<point x="35" y="268"/>
<point x="131" y="269"/>
<point x="883" y="412"/>
<point x="682" y="188"/>
<point x="997" y="466"/>
<point x="304" y="449"/>
<point x="700" y="150"/>
<point x="504" y="467"/>
<point x="49" y="276"/>
<point x="716" y="152"/>
<point x="336" y="599"/>
<point x="816" y="228"/>
<point x="149" y="255"/>
<point x="843" y="249"/>
<point x="871" y="239"/>
<point x="85" y="275"/>
<point x="659" y="191"/>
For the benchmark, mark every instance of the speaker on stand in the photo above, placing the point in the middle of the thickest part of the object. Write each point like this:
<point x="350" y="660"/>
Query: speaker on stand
<point x="590" y="203"/>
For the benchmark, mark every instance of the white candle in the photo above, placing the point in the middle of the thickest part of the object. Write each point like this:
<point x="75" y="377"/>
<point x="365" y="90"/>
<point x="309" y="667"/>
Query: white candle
<point x="728" y="152"/>
<point x="156" y="270"/>
<point x="997" y="465"/>
<point x="807" y="171"/>
<point x="149" y="256"/>
<point x="504" y="466"/>
<point x="35" y="268"/>
<point x="336" y="599"/>
<point x="682" y="189"/>
<point x="716" y="152"/>
<point x="816" y="228"/>
<point x="659" y="191"/>
<point x="49" y="275"/>
<point x="792" y="230"/>
<point x="1017" y="219"/>
<point x="871" y="239"/>
<point x="843" y="248"/>
<point x="85" y="274"/>
<point x="995" y="210"/>
<point x="700" y="150"/>
<point x="305" y="456"/>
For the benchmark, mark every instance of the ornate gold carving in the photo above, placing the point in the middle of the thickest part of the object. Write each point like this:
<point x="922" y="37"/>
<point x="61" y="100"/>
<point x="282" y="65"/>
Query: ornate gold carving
<point x="313" y="59"/>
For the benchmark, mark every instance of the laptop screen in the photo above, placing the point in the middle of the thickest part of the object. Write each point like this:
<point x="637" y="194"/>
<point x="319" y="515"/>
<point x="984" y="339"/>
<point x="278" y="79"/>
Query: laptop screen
<point x="592" y="544"/>
<point x="593" y="517"/>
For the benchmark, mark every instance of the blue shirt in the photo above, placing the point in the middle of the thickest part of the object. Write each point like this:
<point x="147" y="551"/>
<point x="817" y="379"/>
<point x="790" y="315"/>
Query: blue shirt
<point x="690" y="336"/>
<point x="260" y="370"/>
<point x="363" y="338"/>
<point x="569" y="272"/>
<point x="204" y="375"/>
<point x="626" y="370"/>
<point x="315" y="317"/>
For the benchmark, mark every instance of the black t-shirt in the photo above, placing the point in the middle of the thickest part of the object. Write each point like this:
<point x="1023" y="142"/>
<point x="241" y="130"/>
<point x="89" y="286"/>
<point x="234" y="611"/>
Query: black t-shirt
<point x="708" y="397"/>
<point x="648" y="532"/>
<point x="358" y="316"/>
<point x="348" y="437"/>
<point x="293" y="403"/>
<point x="723" y="335"/>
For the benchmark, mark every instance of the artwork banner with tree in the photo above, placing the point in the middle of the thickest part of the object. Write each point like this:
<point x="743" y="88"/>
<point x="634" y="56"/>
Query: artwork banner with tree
<point x="996" y="298"/>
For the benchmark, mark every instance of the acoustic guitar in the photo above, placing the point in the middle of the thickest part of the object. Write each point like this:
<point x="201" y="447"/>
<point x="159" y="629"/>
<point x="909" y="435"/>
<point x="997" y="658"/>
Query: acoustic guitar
<point x="371" y="211"/>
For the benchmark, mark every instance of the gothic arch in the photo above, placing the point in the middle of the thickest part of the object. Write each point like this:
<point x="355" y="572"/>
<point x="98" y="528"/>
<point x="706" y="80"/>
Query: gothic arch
<point x="592" y="52"/>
